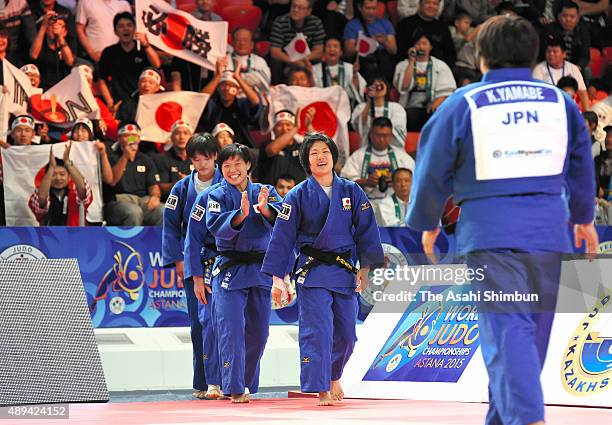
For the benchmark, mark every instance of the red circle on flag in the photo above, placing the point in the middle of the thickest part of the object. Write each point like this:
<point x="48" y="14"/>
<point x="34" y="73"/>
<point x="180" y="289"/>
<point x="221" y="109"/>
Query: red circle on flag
<point x="324" y="119"/>
<point x="41" y="110"/>
<point x="364" y="46"/>
<point x="176" y="28"/>
<point x="167" y="114"/>
<point x="300" y="46"/>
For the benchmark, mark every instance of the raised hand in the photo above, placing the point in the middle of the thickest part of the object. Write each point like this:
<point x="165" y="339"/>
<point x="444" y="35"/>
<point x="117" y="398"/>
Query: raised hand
<point x="52" y="162"/>
<point x="66" y="156"/>
<point x="245" y="205"/>
<point x="262" y="199"/>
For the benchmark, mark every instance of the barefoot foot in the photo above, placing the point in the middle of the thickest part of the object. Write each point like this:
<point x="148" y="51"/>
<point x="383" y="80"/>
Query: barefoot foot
<point x="213" y="393"/>
<point x="240" y="398"/>
<point x="337" y="393"/>
<point x="325" y="399"/>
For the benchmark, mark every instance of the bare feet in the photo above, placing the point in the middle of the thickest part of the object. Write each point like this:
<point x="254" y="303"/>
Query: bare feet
<point x="198" y="394"/>
<point x="325" y="399"/>
<point x="337" y="393"/>
<point x="240" y="398"/>
<point x="213" y="393"/>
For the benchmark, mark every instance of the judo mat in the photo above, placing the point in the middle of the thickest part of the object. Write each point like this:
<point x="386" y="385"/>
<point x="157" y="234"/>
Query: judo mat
<point x="303" y="411"/>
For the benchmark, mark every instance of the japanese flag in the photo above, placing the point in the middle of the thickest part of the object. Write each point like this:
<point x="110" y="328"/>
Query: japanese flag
<point x="157" y="112"/>
<point x="298" y="48"/>
<point x="366" y="45"/>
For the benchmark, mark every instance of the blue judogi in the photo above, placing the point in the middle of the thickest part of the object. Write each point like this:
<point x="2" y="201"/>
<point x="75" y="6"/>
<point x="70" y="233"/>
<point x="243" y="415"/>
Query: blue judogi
<point x="241" y="293"/>
<point x="516" y="155"/>
<point x="200" y="254"/>
<point x="176" y="216"/>
<point x="327" y="301"/>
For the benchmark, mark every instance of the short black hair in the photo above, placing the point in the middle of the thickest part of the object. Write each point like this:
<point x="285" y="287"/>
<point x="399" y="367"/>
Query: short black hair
<point x="242" y="29"/>
<point x="123" y="15"/>
<point x="590" y="117"/>
<point x="58" y="163"/>
<point x="567" y="82"/>
<point x="235" y="149"/>
<point x="286" y="177"/>
<point x="505" y="6"/>
<point x="507" y="42"/>
<point x="607" y="128"/>
<point x="400" y="170"/>
<point x="461" y="14"/>
<point x="568" y="4"/>
<point x="292" y="69"/>
<point x="204" y="144"/>
<point x="309" y="140"/>
<point x="382" y="122"/>
<point x="553" y="40"/>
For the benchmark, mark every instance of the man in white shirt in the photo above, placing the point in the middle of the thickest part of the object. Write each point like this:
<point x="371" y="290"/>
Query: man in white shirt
<point x="253" y="68"/>
<point x="94" y="20"/>
<point x="391" y="210"/>
<point x="556" y="67"/>
<point x="371" y="166"/>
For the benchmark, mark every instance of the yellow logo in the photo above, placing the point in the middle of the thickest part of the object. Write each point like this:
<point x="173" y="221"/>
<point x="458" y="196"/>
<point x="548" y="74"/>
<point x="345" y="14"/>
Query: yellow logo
<point x="365" y="206"/>
<point x="226" y="365"/>
<point x="587" y="364"/>
<point x="305" y="359"/>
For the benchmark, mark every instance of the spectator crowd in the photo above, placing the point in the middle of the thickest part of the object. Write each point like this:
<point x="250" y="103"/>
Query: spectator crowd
<point x="422" y="51"/>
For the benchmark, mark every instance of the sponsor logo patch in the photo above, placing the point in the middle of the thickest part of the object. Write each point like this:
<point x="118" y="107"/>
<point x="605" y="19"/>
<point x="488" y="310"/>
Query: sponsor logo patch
<point x="172" y="202"/>
<point x="285" y="212"/>
<point x="214" y="206"/>
<point x="198" y="213"/>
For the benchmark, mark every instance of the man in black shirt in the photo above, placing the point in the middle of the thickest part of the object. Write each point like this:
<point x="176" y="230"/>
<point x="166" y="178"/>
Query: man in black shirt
<point x="121" y="64"/>
<point x="135" y="183"/>
<point x="174" y="164"/>
<point x="573" y="32"/>
<point x="225" y="106"/>
<point x="425" y="21"/>
<point x="281" y="155"/>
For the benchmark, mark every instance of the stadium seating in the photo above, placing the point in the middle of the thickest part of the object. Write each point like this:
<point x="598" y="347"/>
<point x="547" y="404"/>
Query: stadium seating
<point x="247" y="16"/>
<point x="412" y="140"/>
<point x="595" y="63"/>
<point x="392" y="12"/>
<point x="222" y="4"/>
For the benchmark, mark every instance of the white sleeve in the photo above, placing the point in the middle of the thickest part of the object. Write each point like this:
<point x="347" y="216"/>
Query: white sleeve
<point x="81" y="13"/>
<point x="539" y="73"/>
<point x="317" y="75"/>
<point x="445" y="84"/>
<point x="398" y="77"/>
<point x="404" y="160"/>
<point x="352" y="168"/>
<point x="578" y="76"/>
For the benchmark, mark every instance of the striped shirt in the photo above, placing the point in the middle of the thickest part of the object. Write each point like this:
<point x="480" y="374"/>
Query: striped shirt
<point x="284" y="30"/>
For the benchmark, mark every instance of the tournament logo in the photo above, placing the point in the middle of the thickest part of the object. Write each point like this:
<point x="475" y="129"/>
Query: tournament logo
<point x="125" y="275"/>
<point x="393" y="258"/>
<point x="116" y="305"/>
<point x="587" y="364"/>
<point x="21" y="252"/>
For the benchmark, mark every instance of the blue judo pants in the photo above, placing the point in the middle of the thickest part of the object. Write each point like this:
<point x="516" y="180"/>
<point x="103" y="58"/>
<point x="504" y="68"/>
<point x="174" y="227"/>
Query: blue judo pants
<point x="199" y="380"/>
<point x="327" y="335"/>
<point x="210" y="349"/>
<point x="514" y="336"/>
<point x="242" y="318"/>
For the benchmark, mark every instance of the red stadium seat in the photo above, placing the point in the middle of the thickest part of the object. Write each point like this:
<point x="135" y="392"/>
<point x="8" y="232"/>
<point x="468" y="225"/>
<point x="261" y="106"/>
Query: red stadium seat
<point x="595" y="63"/>
<point x="259" y="137"/>
<point x="354" y="141"/>
<point x="412" y="140"/>
<point x="242" y="16"/>
<point x="606" y="58"/>
<point x="393" y="13"/>
<point x="186" y="5"/>
<point x="394" y="94"/>
<point x="222" y="4"/>
<point x="262" y="48"/>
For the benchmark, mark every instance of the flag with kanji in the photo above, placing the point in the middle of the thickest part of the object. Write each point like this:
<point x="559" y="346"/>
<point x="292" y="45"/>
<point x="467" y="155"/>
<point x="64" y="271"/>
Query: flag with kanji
<point x="17" y="89"/>
<point x="180" y="34"/>
<point x="330" y="106"/>
<point x="297" y="48"/>
<point x="157" y="112"/>
<point x="366" y="45"/>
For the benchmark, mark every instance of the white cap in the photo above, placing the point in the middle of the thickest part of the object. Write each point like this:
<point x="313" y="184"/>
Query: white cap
<point x="222" y="127"/>
<point x="84" y="121"/>
<point x="181" y="123"/>
<point x="151" y="73"/>
<point x="30" y="69"/>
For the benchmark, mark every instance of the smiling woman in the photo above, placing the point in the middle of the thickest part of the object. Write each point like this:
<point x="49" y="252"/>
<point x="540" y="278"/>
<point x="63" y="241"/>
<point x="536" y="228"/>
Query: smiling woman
<point x="327" y="217"/>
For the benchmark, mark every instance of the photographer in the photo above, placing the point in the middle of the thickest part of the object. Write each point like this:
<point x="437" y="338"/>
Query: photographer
<point x="423" y="82"/>
<point x="372" y="166"/>
<point x="377" y="104"/>
<point x="50" y="51"/>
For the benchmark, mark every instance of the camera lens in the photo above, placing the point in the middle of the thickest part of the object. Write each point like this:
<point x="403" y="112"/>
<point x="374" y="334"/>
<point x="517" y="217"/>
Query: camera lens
<point x="382" y="184"/>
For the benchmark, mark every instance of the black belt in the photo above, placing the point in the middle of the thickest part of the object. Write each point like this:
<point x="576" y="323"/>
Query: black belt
<point x="211" y="260"/>
<point x="318" y="257"/>
<point x="239" y="257"/>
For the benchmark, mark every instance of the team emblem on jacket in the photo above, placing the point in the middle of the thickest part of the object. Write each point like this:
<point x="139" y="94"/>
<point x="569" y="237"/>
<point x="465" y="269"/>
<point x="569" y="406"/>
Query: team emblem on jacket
<point x="213" y="206"/>
<point x="285" y="212"/>
<point x="198" y="213"/>
<point x="346" y="204"/>
<point x="172" y="202"/>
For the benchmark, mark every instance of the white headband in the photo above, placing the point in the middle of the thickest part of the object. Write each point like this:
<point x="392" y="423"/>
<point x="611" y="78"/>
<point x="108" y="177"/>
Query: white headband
<point x="284" y="116"/>
<point x="26" y="120"/>
<point x="181" y="123"/>
<point x="30" y="69"/>
<point x="222" y="127"/>
<point x="149" y="73"/>
<point x="129" y="129"/>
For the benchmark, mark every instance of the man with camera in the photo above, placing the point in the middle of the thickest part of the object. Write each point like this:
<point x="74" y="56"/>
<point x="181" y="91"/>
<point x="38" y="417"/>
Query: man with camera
<point x="372" y="166"/>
